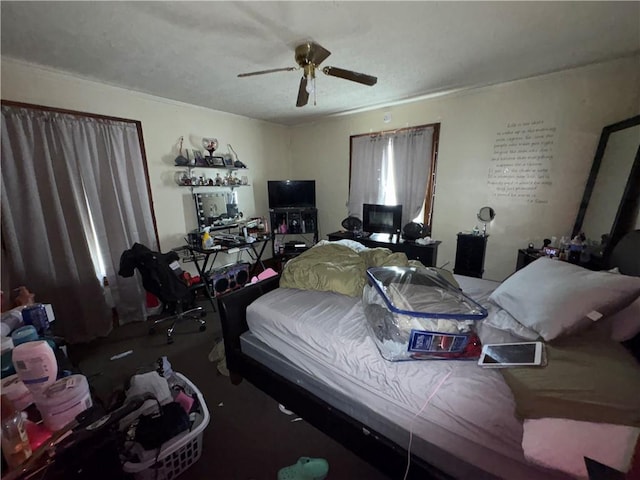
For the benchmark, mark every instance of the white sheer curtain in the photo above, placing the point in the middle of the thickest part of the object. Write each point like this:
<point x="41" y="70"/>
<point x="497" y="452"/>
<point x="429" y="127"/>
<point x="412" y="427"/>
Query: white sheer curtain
<point x="368" y="172"/>
<point x="391" y="169"/>
<point x="74" y="197"/>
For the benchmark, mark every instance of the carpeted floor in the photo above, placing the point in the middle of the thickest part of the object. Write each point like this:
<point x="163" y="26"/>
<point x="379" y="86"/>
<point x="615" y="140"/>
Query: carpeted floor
<point x="248" y="437"/>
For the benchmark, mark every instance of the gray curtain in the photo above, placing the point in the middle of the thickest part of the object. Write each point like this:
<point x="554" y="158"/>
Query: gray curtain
<point x="391" y="169"/>
<point x="74" y="197"/>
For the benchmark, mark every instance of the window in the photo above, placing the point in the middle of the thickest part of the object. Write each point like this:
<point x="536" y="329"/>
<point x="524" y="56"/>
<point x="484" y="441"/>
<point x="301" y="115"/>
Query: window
<point x="395" y="167"/>
<point x="75" y="195"/>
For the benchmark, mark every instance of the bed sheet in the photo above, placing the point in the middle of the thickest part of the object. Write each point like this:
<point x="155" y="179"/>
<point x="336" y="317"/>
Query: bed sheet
<point x="471" y="413"/>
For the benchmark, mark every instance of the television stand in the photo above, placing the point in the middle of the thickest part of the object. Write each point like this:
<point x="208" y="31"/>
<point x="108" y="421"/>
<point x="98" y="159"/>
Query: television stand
<point x="426" y="254"/>
<point x="294" y="230"/>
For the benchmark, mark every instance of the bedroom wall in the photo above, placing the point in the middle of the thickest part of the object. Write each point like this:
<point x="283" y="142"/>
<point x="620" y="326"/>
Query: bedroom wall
<point x="576" y="103"/>
<point x="262" y="146"/>
<point x="524" y="148"/>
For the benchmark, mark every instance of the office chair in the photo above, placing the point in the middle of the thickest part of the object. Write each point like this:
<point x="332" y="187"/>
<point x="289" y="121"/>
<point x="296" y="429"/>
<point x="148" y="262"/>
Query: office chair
<point x="162" y="276"/>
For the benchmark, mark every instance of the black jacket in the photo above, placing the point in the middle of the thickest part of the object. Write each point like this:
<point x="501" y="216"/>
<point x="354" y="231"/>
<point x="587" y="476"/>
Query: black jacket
<point x="158" y="277"/>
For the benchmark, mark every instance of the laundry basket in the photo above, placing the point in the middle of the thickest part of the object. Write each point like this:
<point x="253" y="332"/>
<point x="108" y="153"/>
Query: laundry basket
<point x="179" y="453"/>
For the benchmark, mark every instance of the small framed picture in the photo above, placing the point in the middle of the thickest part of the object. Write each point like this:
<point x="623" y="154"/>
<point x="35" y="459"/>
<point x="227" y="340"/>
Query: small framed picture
<point x="198" y="159"/>
<point x="217" y="162"/>
<point x="228" y="161"/>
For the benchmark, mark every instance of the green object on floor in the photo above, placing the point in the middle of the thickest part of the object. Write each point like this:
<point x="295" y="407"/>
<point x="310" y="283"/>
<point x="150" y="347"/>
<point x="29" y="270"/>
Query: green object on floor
<point x="305" y="469"/>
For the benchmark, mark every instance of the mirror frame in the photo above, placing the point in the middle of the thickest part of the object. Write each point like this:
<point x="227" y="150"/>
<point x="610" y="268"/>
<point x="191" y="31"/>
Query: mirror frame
<point x="492" y="214"/>
<point x="623" y="221"/>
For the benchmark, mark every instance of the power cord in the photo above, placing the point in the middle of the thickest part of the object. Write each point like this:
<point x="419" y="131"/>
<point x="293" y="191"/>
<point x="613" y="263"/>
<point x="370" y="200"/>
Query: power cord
<point x="406" y="473"/>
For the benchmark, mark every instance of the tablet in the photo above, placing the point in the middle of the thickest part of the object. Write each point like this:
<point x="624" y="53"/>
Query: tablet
<point x="511" y="354"/>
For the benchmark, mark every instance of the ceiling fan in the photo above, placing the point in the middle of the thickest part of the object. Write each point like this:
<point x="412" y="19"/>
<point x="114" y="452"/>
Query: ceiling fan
<point x="309" y="56"/>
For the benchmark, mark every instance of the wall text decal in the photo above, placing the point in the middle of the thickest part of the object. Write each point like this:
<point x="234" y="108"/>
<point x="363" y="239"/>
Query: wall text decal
<point x="520" y="167"/>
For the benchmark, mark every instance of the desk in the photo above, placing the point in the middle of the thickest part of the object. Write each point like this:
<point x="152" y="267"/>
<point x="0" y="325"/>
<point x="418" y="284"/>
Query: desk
<point x="205" y="259"/>
<point x="426" y="254"/>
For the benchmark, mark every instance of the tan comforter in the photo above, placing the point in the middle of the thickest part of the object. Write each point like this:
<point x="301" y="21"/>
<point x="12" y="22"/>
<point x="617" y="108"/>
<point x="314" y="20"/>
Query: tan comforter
<point x="337" y="268"/>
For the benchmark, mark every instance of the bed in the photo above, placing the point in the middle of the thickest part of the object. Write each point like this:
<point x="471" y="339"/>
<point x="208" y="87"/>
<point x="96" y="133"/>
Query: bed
<point x="278" y="338"/>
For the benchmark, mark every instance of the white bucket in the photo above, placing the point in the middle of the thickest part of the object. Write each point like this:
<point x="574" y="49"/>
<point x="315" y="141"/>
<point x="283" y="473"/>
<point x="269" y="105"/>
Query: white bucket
<point x="17" y="392"/>
<point x="63" y="401"/>
<point x="35" y="364"/>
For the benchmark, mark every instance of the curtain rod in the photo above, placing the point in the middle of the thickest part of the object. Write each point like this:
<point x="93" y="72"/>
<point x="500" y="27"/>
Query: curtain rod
<point x="30" y="106"/>
<point x="385" y="132"/>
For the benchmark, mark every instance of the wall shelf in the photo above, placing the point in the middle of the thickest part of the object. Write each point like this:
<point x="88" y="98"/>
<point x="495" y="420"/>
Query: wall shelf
<point x="208" y="167"/>
<point x="213" y="186"/>
<point x="188" y="176"/>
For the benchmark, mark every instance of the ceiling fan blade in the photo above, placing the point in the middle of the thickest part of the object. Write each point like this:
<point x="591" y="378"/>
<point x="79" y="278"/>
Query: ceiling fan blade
<point x="349" y="75"/>
<point x="303" y="95"/>
<point x="318" y="54"/>
<point x="273" y="70"/>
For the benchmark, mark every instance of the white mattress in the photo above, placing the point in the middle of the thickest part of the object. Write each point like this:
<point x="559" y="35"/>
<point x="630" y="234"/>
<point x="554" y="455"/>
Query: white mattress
<point x="471" y="414"/>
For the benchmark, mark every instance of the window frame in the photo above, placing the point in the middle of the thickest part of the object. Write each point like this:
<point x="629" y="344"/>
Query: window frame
<point x="429" y="199"/>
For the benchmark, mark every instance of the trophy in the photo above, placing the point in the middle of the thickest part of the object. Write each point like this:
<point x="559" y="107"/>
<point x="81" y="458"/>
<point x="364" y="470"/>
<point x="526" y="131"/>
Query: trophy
<point x="210" y="145"/>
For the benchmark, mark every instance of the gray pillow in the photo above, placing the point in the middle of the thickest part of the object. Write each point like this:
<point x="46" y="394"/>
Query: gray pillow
<point x="625" y="324"/>
<point x="555" y="298"/>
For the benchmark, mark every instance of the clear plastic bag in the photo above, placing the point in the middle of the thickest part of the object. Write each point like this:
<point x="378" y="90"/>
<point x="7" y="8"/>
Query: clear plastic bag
<point x="415" y="313"/>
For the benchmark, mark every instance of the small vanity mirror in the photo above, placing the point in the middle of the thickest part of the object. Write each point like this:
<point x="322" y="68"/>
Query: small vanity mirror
<point x="486" y="215"/>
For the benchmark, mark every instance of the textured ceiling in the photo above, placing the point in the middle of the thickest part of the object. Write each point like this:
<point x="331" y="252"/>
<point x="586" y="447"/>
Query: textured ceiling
<point x="193" y="51"/>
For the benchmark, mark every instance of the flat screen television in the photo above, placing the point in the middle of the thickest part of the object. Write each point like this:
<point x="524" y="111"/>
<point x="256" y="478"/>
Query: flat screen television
<point x="291" y="193"/>
<point x="381" y="218"/>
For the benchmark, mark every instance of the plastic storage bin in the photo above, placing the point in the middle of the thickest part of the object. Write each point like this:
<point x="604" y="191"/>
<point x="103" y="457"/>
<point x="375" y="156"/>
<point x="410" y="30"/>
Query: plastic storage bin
<point x="179" y="453"/>
<point x="62" y="401"/>
<point x="414" y="313"/>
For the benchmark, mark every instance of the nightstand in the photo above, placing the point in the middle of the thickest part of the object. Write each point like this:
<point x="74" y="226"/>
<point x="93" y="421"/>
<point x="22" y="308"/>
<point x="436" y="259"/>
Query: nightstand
<point x="526" y="256"/>
<point x="470" y="252"/>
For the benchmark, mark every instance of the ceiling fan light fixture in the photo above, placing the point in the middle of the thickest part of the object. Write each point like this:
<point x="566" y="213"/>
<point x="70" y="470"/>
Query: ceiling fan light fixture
<point x="311" y="85"/>
<point x="310" y="75"/>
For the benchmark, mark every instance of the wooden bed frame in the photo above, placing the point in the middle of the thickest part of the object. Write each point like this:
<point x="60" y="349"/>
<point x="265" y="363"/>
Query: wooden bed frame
<point x="376" y="449"/>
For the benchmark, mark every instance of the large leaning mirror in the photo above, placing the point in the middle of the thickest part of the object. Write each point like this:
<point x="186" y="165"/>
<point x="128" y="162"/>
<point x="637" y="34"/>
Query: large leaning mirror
<point x="609" y="207"/>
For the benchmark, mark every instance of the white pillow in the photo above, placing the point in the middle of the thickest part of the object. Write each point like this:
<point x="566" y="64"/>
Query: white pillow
<point x="554" y="298"/>
<point x="503" y="320"/>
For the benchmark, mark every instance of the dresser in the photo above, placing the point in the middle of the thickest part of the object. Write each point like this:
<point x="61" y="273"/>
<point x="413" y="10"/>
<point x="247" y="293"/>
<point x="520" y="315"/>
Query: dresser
<point x="470" y="252"/>
<point x="592" y="260"/>
<point x="526" y="256"/>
